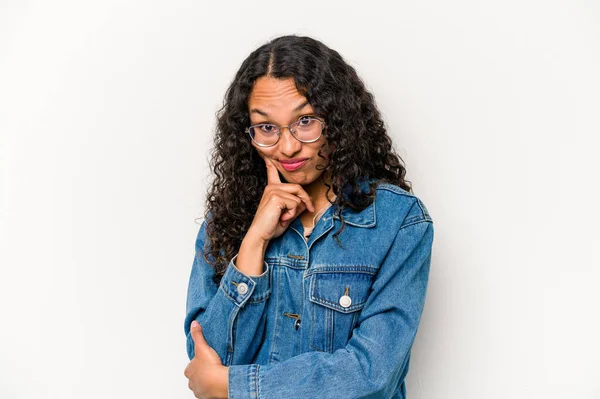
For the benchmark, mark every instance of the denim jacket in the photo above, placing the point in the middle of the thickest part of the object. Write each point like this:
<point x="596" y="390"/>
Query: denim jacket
<point x="321" y="321"/>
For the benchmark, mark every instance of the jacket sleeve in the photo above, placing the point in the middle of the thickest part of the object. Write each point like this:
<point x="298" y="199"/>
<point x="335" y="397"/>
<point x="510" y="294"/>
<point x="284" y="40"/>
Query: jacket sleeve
<point x="374" y="361"/>
<point x="238" y="300"/>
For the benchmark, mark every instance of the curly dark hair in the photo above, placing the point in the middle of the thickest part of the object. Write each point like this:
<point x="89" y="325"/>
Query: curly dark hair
<point x="363" y="150"/>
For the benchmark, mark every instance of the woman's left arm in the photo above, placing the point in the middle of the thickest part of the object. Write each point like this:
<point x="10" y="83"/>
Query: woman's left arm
<point x="374" y="358"/>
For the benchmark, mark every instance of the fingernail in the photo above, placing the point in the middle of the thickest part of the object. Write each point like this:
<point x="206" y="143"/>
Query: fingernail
<point x="195" y="323"/>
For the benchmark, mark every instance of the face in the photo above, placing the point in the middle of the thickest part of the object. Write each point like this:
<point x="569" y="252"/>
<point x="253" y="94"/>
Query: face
<point x="277" y="101"/>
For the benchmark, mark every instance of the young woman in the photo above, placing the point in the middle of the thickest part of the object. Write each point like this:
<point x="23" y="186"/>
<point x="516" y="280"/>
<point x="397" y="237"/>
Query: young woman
<point x="312" y="262"/>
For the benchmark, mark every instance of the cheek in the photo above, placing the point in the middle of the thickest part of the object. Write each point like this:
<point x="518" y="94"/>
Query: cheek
<point x="327" y="149"/>
<point x="267" y="153"/>
<point x="263" y="152"/>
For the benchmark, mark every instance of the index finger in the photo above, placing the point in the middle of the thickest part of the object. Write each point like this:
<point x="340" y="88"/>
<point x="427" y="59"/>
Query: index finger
<point x="272" y="172"/>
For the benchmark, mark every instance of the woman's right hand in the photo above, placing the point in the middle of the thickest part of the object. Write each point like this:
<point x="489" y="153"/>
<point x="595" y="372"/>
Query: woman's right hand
<point x="280" y="204"/>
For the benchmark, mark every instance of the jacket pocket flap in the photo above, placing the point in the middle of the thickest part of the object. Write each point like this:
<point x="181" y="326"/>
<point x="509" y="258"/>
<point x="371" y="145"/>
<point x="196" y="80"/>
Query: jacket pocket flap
<point x="344" y="291"/>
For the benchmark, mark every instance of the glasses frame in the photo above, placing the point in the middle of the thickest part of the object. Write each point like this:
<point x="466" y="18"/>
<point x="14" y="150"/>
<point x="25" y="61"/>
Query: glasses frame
<point x="321" y="120"/>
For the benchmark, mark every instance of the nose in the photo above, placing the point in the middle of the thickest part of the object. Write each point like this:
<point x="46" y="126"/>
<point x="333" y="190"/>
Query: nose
<point x="288" y="144"/>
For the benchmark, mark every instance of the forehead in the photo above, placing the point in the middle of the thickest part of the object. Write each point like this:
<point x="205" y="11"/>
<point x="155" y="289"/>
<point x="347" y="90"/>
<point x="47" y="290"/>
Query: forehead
<point x="275" y="95"/>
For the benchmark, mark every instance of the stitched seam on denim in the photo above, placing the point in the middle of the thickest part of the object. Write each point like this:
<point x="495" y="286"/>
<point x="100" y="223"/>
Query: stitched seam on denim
<point x="372" y="224"/>
<point x="257" y="382"/>
<point x="343" y="269"/>
<point x="312" y="331"/>
<point x="331" y="327"/>
<point x="229" y="296"/>
<point x="255" y="301"/>
<point x="258" y="297"/>
<point x="301" y="316"/>
<point x="417" y="222"/>
<point x="414" y="218"/>
<point x="417" y="218"/>
<point x="298" y="318"/>
<point x="312" y="323"/>
<point x="316" y="238"/>
<point x="294" y="229"/>
<point x="374" y="214"/>
<point x="277" y="303"/>
<point x="292" y="264"/>
<point x="394" y="189"/>
<point x="423" y="208"/>
<point x="421" y="217"/>
<point x="335" y="306"/>
<point x="231" y="319"/>
<point x="357" y="224"/>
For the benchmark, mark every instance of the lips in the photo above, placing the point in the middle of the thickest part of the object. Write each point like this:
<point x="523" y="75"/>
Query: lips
<point x="293" y="164"/>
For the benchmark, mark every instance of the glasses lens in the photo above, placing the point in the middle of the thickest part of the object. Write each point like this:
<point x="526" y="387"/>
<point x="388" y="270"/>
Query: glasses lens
<point x="307" y="128"/>
<point x="264" y="134"/>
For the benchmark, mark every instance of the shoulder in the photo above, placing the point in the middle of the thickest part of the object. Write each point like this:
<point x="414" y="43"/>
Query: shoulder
<point x="394" y="202"/>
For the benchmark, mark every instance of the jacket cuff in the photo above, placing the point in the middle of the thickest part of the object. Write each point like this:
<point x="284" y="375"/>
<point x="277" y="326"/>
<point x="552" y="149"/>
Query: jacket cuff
<point x="243" y="382"/>
<point x="242" y="288"/>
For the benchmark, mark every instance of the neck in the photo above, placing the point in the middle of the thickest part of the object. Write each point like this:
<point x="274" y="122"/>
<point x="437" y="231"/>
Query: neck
<point x="317" y="190"/>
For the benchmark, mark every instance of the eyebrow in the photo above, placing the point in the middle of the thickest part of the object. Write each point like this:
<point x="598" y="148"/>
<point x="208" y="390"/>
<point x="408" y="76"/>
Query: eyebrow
<point x="263" y="113"/>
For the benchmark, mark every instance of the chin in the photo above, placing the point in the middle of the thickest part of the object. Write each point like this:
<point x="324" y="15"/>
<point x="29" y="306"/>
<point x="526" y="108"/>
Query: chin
<point x="301" y="179"/>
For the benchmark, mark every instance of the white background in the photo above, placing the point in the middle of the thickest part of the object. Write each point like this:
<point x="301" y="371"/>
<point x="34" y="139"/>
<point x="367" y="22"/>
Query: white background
<point x="106" y="114"/>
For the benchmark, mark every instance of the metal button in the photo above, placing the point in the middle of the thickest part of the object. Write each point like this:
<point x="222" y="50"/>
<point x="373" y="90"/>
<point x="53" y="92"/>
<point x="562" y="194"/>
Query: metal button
<point x="345" y="301"/>
<point x="242" y="288"/>
<point x="297" y="324"/>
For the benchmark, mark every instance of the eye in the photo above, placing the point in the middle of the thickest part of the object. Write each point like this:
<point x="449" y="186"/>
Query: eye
<point x="306" y="121"/>
<point x="266" y="128"/>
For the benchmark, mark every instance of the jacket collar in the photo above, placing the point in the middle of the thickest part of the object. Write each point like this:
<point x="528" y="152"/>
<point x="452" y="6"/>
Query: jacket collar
<point x="364" y="218"/>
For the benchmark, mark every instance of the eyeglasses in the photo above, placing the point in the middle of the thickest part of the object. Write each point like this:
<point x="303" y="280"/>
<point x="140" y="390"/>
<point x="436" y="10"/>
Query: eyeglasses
<point x="307" y="129"/>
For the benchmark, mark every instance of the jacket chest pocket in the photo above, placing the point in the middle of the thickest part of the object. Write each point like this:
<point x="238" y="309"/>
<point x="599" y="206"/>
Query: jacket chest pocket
<point x="337" y="295"/>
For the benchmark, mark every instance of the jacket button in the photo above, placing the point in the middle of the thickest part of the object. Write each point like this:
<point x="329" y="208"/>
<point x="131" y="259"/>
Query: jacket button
<point x="297" y="324"/>
<point x="345" y="301"/>
<point x="242" y="288"/>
